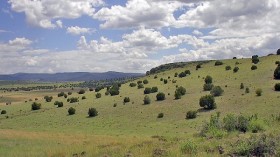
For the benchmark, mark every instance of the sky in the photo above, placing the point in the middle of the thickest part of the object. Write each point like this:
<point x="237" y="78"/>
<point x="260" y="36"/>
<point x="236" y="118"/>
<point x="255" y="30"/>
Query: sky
<point x="50" y="36"/>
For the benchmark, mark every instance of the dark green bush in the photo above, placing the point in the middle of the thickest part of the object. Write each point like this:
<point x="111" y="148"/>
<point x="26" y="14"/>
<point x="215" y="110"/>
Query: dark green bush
<point x="60" y="94"/>
<point x="145" y="81"/>
<point x="241" y="86"/>
<point x="182" y="74"/>
<point x="242" y="123"/>
<point x="58" y="103"/>
<point x="65" y="96"/>
<point x="35" y="106"/>
<point x="71" y="111"/>
<point x="179" y="92"/>
<point x="48" y="98"/>
<point x="92" y="112"/>
<point x="73" y="100"/>
<point x="216" y="91"/>
<point x="198" y="66"/>
<point x="160" y="115"/>
<point x="155" y="77"/>
<point x="228" y="67"/>
<point x="161" y="79"/>
<point x="277" y="87"/>
<point x="207" y="87"/>
<point x="277" y="72"/>
<point x="126" y="99"/>
<point x="259" y="92"/>
<point x="140" y="86"/>
<point x="154" y="89"/>
<point x="147" y="90"/>
<point x="160" y="96"/>
<point x="234" y="58"/>
<point x="207" y="102"/>
<point x="147" y="100"/>
<point x="177" y="95"/>
<point x="107" y="93"/>
<point x="132" y="84"/>
<point x="99" y="88"/>
<point x="115" y="105"/>
<point x="114" y="90"/>
<point x="138" y="82"/>
<point x="254" y="67"/>
<point x="217" y="63"/>
<point x="98" y="95"/>
<point x="3" y="112"/>
<point x="82" y="91"/>
<point x="255" y="59"/>
<point x="278" y="52"/>
<point x="83" y="97"/>
<point x="208" y="79"/>
<point x="187" y="72"/>
<point x="91" y="89"/>
<point x="191" y="114"/>
<point x="277" y="62"/>
<point x="230" y="122"/>
<point x="176" y="74"/>
<point x="247" y="90"/>
<point x="235" y="69"/>
<point x="165" y="81"/>
<point x="69" y="93"/>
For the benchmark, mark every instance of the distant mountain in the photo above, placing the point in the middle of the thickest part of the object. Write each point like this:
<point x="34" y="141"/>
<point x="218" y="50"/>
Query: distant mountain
<point x="68" y="76"/>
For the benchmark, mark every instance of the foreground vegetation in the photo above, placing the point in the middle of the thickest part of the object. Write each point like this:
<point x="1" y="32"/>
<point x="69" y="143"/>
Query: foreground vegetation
<point x="200" y="109"/>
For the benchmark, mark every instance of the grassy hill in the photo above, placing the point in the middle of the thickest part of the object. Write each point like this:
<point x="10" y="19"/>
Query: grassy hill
<point x="133" y="128"/>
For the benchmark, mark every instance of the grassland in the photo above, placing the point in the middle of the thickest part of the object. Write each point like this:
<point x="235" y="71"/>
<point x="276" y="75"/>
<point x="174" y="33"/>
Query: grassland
<point x="133" y="128"/>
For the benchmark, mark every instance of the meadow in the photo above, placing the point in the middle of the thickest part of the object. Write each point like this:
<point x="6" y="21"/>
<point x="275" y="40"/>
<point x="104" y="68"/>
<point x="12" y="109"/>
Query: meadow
<point x="132" y="128"/>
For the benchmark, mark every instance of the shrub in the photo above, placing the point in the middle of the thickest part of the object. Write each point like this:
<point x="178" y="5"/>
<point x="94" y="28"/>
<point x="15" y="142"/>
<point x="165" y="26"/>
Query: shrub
<point x="189" y="148"/>
<point x="139" y="82"/>
<point x="277" y="62"/>
<point x="207" y="87"/>
<point x="69" y="93"/>
<point x="71" y="111"/>
<point x="176" y="74"/>
<point x="256" y="126"/>
<point x="73" y="100"/>
<point x="65" y="96"/>
<point x="91" y="89"/>
<point x="60" y="94"/>
<point x="107" y="93"/>
<point x="230" y="122"/>
<point x="207" y="102"/>
<point x="259" y="92"/>
<point x="92" y="112"/>
<point x="208" y="79"/>
<point x="147" y="90"/>
<point x="235" y="69"/>
<point x="247" y="90"/>
<point x="147" y="100"/>
<point x="114" y="90"/>
<point x="160" y="96"/>
<point x="35" y="106"/>
<point x="165" y="81"/>
<point x="277" y="72"/>
<point x="160" y="115"/>
<point x="99" y="88"/>
<point x="253" y="67"/>
<point x="83" y="97"/>
<point x="198" y="66"/>
<point x="187" y="72"/>
<point x="3" y="112"/>
<point x="241" y="86"/>
<point x="132" y="84"/>
<point x="228" y="67"/>
<point x="82" y="91"/>
<point x="115" y="105"/>
<point x="277" y="87"/>
<point x="182" y="74"/>
<point x="140" y="86"/>
<point x="255" y="59"/>
<point x="177" y="95"/>
<point x="154" y="89"/>
<point x="161" y="79"/>
<point x="126" y="99"/>
<point x="145" y="81"/>
<point x="242" y="123"/>
<point x="155" y="77"/>
<point x="191" y="114"/>
<point x="48" y="98"/>
<point x="58" y="103"/>
<point x="181" y="90"/>
<point x="98" y="95"/>
<point x="216" y="91"/>
<point x="217" y="63"/>
<point x="234" y="58"/>
<point x="278" y="52"/>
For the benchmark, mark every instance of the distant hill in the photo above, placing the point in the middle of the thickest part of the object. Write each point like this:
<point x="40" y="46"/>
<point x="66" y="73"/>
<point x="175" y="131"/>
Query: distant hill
<point x="68" y="76"/>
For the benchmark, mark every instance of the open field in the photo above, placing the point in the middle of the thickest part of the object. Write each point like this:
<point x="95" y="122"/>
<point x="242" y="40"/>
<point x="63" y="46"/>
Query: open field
<point x="133" y="128"/>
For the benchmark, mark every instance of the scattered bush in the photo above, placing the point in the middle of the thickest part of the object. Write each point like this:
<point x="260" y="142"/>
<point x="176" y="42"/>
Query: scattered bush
<point x="147" y="100"/>
<point x="179" y="92"/>
<point x="147" y="90"/>
<point x="230" y="122"/>
<point x="107" y="93"/>
<point x="241" y="86"/>
<point x="189" y="148"/>
<point x="48" y="98"/>
<point x="139" y="82"/>
<point x="187" y="72"/>
<point x="35" y="106"/>
<point x="71" y="111"/>
<point x="155" y="77"/>
<point x="207" y="102"/>
<point x="132" y="84"/>
<point x="177" y="95"/>
<point x="259" y="92"/>
<point x="198" y="66"/>
<point x="114" y="90"/>
<point x="99" y="88"/>
<point x="247" y="90"/>
<point x="207" y="87"/>
<point x="98" y="95"/>
<point x="234" y="58"/>
<point x="160" y="96"/>
<point x="191" y="114"/>
<point x="242" y="123"/>
<point x="90" y="89"/>
<point x="278" y="52"/>
<point x="115" y="105"/>
<point x="145" y="81"/>
<point x="83" y="97"/>
<point x="228" y="67"/>
<point x="58" y="103"/>
<point x="161" y="79"/>
<point x="73" y="100"/>
<point x="216" y="91"/>
<point x="277" y="87"/>
<point x="154" y="89"/>
<point x="235" y="69"/>
<point x="92" y="112"/>
<point x="140" y="86"/>
<point x="217" y="63"/>
<point x="277" y="62"/>
<point x="208" y="79"/>
<point x="254" y="67"/>
<point x="65" y="95"/>
<point x="255" y="59"/>
<point x="182" y="74"/>
<point x="3" y="112"/>
<point x="176" y="74"/>
<point x="160" y="115"/>
<point x="126" y="99"/>
<point x="277" y="72"/>
<point x="60" y="94"/>
<point x="69" y="93"/>
<point x="165" y="81"/>
<point x="82" y="91"/>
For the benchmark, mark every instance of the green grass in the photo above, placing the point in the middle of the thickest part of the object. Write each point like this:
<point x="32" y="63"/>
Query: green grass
<point x="130" y="127"/>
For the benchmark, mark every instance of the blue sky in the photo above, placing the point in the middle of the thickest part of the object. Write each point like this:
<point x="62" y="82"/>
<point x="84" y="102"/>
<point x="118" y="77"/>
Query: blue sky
<point x="131" y="36"/>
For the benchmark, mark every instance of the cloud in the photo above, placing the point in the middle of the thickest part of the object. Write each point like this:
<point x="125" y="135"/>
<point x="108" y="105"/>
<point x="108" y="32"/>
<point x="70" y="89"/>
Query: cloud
<point x="197" y="32"/>
<point x="41" y="13"/>
<point x="75" y="30"/>
<point x="59" y="24"/>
